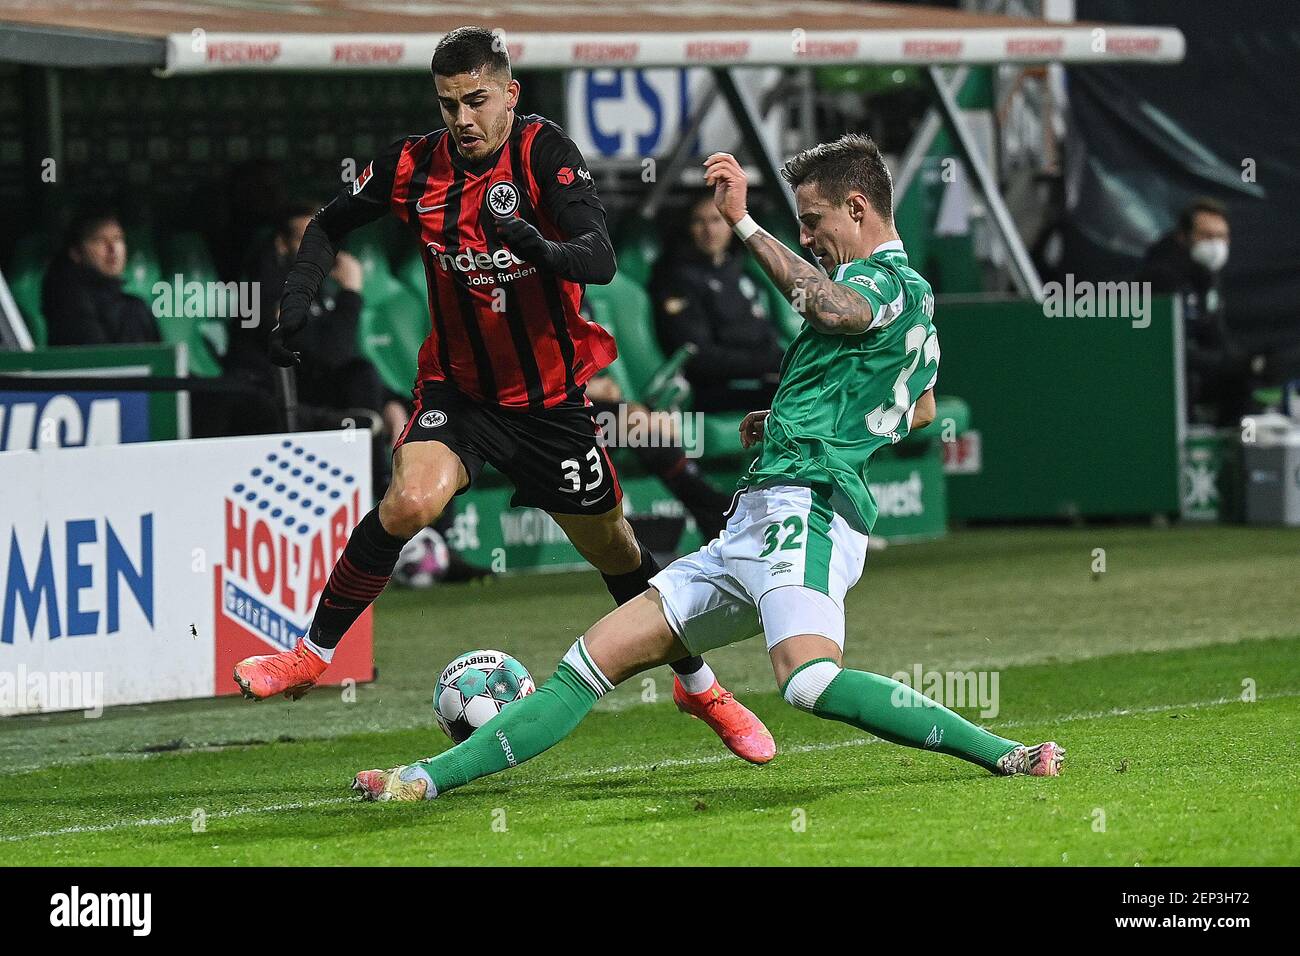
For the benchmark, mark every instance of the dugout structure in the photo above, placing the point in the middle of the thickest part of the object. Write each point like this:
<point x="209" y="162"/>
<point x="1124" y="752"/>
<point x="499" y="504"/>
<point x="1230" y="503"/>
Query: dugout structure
<point x="364" y="38"/>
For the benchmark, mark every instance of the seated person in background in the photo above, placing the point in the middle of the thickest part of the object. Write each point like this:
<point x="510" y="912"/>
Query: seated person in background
<point x="82" y="295"/>
<point x="702" y="295"/>
<point x="1188" y="263"/>
<point x="334" y="376"/>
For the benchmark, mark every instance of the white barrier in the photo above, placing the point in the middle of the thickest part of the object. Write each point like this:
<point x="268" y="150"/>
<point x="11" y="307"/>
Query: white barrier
<point x="149" y="569"/>
<point x="1048" y="43"/>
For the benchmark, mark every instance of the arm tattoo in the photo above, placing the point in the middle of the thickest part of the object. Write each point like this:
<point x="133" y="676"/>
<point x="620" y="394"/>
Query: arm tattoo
<point x="827" y="306"/>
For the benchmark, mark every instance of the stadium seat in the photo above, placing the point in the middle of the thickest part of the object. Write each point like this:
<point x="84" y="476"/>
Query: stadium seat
<point x="411" y="275"/>
<point x="186" y="254"/>
<point x="623" y="308"/>
<point x="394" y="317"/>
<point x="370" y="247"/>
<point x="143" y="270"/>
<point x="392" y="329"/>
<point x="637" y="250"/>
<point x="25" y="286"/>
<point x="25" y="274"/>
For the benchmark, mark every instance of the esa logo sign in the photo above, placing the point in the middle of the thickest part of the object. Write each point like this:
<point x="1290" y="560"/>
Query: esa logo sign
<point x="626" y="113"/>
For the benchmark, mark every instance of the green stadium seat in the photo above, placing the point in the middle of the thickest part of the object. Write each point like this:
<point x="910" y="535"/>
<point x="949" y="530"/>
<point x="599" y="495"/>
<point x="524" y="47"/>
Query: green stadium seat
<point x="637" y="250"/>
<point x="143" y="270"/>
<point x="370" y="247"/>
<point x="394" y="316"/>
<point x="186" y="254"/>
<point x="411" y="274"/>
<point x="623" y="308"/>
<point x="25" y="285"/>
<point x="949" y="408"/>
<point x="392" y="329"/>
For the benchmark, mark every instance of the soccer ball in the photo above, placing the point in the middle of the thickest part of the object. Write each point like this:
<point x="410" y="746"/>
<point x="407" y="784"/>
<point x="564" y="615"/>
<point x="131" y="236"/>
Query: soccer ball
<point x="423" y="561"/>
<point x="474" y="687"/>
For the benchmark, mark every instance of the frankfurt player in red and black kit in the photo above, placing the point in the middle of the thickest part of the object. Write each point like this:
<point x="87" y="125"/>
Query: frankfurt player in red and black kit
<point x="510" y="229"/>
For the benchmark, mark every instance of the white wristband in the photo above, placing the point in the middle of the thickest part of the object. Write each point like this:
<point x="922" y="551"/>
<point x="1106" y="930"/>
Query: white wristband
<point x="745" y="227"/>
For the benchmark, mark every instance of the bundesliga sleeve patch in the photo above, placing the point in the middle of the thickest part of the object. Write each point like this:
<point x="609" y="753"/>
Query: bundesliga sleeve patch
<point x="360" y="182"/>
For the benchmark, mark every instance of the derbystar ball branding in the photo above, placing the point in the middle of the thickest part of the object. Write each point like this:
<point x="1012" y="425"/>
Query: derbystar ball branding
<point x="287" y="521"/>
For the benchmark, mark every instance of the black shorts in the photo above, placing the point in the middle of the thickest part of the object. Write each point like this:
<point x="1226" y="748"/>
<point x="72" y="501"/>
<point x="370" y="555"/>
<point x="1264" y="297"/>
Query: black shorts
<point x="552" y="457"/>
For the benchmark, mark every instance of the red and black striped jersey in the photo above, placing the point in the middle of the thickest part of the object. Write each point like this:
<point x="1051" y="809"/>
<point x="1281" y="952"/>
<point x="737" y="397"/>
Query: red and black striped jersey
<point x="502" y="330"/>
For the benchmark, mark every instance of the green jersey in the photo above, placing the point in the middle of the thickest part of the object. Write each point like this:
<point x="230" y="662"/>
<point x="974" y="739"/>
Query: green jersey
<point x="843" y="396"/>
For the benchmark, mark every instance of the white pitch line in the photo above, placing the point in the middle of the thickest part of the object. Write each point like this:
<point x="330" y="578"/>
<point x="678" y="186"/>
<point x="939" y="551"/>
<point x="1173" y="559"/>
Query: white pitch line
<point x="611" y="771"/>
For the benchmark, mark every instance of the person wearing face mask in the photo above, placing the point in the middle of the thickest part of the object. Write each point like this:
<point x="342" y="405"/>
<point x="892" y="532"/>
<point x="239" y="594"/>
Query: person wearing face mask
<point x="1188" y="263"/>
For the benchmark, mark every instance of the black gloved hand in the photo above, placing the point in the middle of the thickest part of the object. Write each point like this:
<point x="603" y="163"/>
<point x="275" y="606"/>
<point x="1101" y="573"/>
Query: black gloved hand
<point x="523" y="239"/>
<point x="291" y="321"/>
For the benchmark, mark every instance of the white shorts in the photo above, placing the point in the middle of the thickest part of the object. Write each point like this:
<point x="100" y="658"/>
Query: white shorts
<point x="781" y="566"/>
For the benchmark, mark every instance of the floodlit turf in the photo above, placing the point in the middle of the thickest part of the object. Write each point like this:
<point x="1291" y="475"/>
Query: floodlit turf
<point x="1139" y="671"/>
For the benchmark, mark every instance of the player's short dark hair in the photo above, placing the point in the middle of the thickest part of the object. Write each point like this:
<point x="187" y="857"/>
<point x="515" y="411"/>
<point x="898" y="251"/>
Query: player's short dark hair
<point x="851" y="163"/>
<point x="467" y="49"/>
<point x="289" y="212"/>
<point x="1187" y="218"/>
<point x="85" y="222"/>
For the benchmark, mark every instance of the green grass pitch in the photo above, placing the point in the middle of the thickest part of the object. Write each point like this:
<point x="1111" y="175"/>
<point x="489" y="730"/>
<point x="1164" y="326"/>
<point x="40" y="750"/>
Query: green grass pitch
<point x="1139" y="671"/>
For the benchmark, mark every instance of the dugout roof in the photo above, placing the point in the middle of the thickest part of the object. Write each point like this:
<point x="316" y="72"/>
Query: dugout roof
<point x="195" y="36"/>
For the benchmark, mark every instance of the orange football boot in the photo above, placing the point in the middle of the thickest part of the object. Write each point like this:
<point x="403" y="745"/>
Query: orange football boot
<point x="291" y="673"/>
<point x="742" y="732"/>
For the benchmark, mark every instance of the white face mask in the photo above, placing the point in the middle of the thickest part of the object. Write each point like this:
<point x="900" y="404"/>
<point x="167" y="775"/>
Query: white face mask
<point x="1211" y="253"/>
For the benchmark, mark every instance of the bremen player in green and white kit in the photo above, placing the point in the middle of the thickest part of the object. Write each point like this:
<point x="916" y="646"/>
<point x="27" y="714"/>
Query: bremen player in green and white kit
<point x="858" y="376"/>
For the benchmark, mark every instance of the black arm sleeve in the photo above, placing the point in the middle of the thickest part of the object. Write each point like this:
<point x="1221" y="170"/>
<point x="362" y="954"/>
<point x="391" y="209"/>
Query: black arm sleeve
<point x="362" y="201"/>
<point x="585" y="253"/>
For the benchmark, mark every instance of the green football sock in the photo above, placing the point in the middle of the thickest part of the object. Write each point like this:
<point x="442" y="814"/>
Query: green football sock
<point x="523" y="730"/>
<point x="897" y="713"/>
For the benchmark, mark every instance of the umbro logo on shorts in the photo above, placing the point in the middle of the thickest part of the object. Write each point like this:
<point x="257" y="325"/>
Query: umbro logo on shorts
<point x="433" y="418"/>
<point x="780" y="567"/>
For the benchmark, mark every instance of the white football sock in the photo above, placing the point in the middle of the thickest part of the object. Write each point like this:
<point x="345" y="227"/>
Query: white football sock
<point x="324" y="653"/>
<point x="698" y="682"/>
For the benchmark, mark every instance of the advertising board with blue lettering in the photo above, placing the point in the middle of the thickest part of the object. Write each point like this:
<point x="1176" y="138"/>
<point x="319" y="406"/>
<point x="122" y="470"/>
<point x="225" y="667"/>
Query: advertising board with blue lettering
<point x="157" y="566"/>
<point x="70" y="420"/>
<point x="62" y="418"/>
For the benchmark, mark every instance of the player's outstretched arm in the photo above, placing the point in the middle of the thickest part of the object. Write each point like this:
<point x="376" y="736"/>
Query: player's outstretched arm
<point x="826" y="305"/>
<point x="362" y="201"/>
